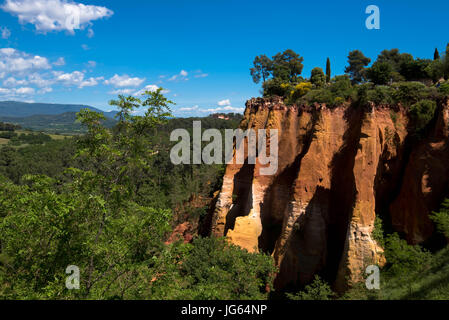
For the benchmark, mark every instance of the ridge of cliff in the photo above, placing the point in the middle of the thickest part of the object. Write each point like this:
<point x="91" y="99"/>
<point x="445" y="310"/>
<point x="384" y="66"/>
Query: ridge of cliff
<point x="338" y="168"/>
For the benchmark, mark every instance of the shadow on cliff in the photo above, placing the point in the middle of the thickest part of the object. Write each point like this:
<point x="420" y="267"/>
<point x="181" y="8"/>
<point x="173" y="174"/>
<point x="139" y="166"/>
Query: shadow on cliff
<point x="280" y="193"/>
<point x="343" y="193"/>
<point x="242" y="190"/>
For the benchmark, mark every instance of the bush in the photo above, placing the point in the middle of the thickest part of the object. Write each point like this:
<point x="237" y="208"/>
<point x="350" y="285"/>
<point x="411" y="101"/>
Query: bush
<point x="381" y="95"/>
<point x="421" y="113"/>
<point x="275" y="87"/>
<point x="340" y="88"/>
<point x="444" y="88"/>
<point x="409" y="93"/>
<point x="212" y="268"/>
<point x="402" y="257"/>
<point x="317" y="290"/>
<point x="441" y="218"/>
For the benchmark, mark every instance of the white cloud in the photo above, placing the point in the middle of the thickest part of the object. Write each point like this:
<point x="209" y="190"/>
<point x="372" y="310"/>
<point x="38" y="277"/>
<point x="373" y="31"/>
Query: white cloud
<point x="13" y="82"/>
<point x="182" y="75"/>
<point x="225" y="102"/>
<point x="90" y="33"/>
<point x="150" y="87"/>
<point x="91" y="64"/>
<point x="25" y="91"/>
<point x="55" y="15"/>
<point x="223" y="109"/>
<point x="59" y="62"/>
<point x="5" y="33"/>
<point x="15" y="61"/>
<point x="15" y="92"/>
<point x="36" y="79"/>
<point x="76" y="78"/>
<point x="122" y="91"/>
<point x="124" y="81"/>
<point x="45" y="90"/>
<point x="201" y="75"/>
<point x="189" y="108"/>
<point x="85" y="47"/>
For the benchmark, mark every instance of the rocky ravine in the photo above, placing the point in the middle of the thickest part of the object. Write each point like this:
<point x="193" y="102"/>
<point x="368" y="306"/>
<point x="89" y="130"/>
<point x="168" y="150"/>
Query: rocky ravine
<point x="338" y="168"/>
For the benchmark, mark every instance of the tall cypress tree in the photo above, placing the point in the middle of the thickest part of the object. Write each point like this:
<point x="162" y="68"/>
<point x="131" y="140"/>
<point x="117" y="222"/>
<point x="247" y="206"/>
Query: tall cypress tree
<point x="436" y="55"/>
<point x="328" y="70"/>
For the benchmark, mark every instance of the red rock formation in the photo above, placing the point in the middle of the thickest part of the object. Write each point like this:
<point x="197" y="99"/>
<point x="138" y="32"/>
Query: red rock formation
<point x="337" y="168"/>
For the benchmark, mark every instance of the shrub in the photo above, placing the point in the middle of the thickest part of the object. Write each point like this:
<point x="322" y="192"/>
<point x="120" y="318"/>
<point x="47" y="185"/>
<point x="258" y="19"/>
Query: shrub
<point x="378" y="231"/>
<point x="421" y="113"/>
<point x="409" y="93"/>
<point x="402" y="257"/>
<point x="317" y="290"/>
<point x="275" y="87"/>
<point x="381" y="95"/>
<point x="441" y="218"/>
<point x="317" y="77"/>
<point x="300" y="90"/>
<point x="444" y="88"/>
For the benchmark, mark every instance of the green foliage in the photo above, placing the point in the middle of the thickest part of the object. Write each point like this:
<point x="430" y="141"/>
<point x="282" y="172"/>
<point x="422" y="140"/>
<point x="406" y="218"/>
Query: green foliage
<point x="287" y="66"/>
<point x="403" y="258"/>
<point x="409" y="93"/>
<point x="444" y="88"/>
<point x="317" y="77"/>
<point x="339" y="90"/>
<point x="262" y="68"/>
<point x="378" y="231"/>
<point x="356" y="65"/>
<point x="380" y="73"/>
<point x="328" y="70"/>
<point x="436" y="55"/>
<point x="441" y="218"/>
<point x="317" y="290"/>
<point x="421" y="113"/>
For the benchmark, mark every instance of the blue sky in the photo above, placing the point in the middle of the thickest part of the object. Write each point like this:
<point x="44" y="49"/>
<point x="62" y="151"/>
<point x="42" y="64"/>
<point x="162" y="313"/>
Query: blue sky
<point x="199" y="51"/>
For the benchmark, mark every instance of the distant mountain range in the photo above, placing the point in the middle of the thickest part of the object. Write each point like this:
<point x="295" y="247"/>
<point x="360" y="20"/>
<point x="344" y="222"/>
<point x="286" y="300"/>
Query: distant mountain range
<point x="24" y="109"/>
<point x="56" y="123"/>
<point x="47" y="117"/>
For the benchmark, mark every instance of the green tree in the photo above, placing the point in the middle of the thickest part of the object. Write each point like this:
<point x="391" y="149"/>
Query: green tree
<point x="287" y="66"/>
<point x="380" y="73"/>
<point x="357" y="63"/>
<point x="328" y="70"/>
<point x="317" y="77"/>
<point x="421" y="113"/>
<point x="317" y="290"/>
<point x="436" y="55"/>
<point x="441" y="218"/>
<point x="262" y="68"/>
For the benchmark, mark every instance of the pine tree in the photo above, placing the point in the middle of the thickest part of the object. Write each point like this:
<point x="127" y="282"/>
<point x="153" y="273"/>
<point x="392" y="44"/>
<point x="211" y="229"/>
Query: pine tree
<point x="328" y="70"/>
<point x="436" y="55"/>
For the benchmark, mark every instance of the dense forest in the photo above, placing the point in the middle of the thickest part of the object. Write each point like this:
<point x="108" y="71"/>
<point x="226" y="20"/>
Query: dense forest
<point x="108" y="201"/>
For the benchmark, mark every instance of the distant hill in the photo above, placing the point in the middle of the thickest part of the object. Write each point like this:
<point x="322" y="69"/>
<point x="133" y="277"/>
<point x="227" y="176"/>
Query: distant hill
<point x="24" y="109"/>
<point x="61" y="123"/>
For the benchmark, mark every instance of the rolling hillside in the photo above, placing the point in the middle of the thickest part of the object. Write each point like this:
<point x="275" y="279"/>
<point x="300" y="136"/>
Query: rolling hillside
<point x="24" y="109"/>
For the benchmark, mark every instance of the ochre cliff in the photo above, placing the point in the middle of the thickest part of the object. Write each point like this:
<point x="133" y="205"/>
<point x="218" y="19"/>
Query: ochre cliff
<point x="338" y="167"/>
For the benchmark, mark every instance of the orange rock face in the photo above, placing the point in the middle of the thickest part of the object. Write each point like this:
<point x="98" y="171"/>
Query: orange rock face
<point x="337" y="168"/>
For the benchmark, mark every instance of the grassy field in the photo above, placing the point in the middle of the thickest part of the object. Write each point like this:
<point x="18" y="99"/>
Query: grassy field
<point x="53" y="136"/>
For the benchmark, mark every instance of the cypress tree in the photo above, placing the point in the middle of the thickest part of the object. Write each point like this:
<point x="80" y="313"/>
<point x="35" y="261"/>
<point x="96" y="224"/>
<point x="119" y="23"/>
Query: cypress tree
<point x="436" y="55"/>
<point x="328" y="70"/>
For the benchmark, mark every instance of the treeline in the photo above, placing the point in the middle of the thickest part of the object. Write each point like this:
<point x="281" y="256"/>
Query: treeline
<point x="9" y="127"/>
<point x="281" y="75"/>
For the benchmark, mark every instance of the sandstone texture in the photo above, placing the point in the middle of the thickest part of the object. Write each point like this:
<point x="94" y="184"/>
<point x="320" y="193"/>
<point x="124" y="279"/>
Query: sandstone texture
<point x="337" y="169"/>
